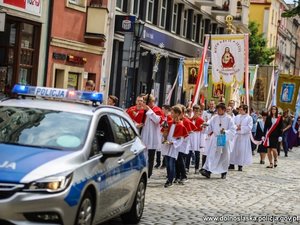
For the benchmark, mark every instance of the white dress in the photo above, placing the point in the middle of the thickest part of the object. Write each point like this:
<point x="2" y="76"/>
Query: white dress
<point x="242" y="152"/>
<point x="218" y="158"/>
<point x="173" y="149"/>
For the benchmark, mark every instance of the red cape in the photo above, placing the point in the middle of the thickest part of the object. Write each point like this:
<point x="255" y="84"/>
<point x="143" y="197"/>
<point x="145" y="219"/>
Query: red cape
<point x="198" y="122"/>
<point x="189" y="125"/>
<point x="135" y="114"/>
<point x="158" y="111"/>
<point x="180" y="130"/>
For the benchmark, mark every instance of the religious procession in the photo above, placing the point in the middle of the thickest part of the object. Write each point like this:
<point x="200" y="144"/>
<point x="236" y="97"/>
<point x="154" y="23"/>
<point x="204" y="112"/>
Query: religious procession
<point x="211" y="136"/>
<point x="214" y="140"/>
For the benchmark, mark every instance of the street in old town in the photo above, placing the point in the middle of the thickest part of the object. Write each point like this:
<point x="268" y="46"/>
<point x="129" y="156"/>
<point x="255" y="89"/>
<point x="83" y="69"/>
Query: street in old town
<point x="255" y="196"/>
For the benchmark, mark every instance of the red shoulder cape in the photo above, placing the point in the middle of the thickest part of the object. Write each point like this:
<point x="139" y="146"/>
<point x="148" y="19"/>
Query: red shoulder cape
<point x="198" y="122"/>
<point x="158" y="111"/>
<point x="189" y="125"/>
<point x="135" y="114"/>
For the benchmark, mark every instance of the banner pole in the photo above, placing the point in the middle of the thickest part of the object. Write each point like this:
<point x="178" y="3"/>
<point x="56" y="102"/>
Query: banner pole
<point x="247" y="69"/>
<point x="200" y="71"/>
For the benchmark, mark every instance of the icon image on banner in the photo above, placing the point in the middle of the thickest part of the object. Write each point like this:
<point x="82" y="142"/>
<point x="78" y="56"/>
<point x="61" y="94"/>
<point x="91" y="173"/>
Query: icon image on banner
<point x="287" y="93"/>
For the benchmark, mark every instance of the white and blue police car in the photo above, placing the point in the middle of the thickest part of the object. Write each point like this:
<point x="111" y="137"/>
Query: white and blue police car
<point x="66" y="162"/>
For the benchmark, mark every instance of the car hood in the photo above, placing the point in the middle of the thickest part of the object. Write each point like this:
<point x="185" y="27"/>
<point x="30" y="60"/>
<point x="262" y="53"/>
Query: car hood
<point x="18" y="161"/>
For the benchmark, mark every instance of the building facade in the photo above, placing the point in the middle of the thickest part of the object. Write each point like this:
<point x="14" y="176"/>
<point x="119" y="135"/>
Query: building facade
<point x="23" y="43"/>
<point x="181" y="27"/>
<point x="78" y="34"/>
<point x="287" y="42"/>
<point x="266" y="13"/>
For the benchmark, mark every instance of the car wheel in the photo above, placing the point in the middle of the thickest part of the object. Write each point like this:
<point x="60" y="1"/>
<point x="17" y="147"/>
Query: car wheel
<point x="85" y="211"/>
<point x="135" y="214"/>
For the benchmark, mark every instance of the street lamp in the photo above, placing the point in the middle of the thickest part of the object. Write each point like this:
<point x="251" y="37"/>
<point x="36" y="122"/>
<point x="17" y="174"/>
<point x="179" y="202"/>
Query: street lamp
<point x="138" y="28"/>
<point x="138" y="32"/>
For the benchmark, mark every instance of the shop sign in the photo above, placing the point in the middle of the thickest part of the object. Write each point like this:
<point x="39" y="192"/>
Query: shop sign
<point x="124" y="23"/>
<point x="172" y="43"/>
<point x="59" y="56"/>
<point x="77" y="60"/>
<point x="2" y="21"/>
<point x="29" y="6"/>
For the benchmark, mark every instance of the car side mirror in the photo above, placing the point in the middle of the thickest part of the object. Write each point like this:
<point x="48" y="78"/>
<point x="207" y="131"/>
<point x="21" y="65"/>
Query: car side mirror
<point x="111" y="149"/>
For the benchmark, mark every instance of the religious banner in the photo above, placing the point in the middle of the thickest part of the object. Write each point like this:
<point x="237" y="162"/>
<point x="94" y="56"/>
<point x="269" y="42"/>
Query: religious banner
<point x="228" y="58"/>
<point x="287" y="91"/>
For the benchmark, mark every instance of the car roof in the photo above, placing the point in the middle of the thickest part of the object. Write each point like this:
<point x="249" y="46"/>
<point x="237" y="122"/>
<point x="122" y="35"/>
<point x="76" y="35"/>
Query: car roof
<point x="72" y="107"/>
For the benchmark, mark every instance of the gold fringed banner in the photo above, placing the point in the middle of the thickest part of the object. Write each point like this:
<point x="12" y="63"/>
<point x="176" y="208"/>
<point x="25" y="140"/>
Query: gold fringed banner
<point x="287" y="91"/>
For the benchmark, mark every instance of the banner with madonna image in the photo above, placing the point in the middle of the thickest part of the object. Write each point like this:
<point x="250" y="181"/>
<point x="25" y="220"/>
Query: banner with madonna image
<point x="228" y="58"/>
<point x="287" y="91"/>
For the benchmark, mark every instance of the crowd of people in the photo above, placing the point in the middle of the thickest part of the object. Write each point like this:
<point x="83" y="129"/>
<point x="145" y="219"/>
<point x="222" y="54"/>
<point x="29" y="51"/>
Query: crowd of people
<point x="226" y="137"/>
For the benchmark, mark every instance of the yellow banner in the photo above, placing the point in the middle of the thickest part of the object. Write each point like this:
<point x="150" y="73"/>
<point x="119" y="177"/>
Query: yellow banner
<point x="287" y="91"/>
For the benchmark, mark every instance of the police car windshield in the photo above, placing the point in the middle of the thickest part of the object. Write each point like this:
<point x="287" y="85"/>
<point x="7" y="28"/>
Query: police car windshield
<point x="43" y="128"/>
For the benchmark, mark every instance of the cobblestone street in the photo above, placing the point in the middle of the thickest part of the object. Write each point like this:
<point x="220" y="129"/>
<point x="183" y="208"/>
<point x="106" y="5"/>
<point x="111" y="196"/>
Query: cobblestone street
<point x="256" y="193"/>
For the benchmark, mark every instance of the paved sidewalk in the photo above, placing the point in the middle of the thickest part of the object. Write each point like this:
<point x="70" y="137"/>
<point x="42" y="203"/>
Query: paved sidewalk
<point x="255" y="196"/>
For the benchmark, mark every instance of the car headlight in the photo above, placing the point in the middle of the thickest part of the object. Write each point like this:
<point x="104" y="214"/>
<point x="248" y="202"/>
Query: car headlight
<point x="51" y="184"/>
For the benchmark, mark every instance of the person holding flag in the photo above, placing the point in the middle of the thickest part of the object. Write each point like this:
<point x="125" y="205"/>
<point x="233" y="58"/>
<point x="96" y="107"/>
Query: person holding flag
<point x="273" y="135"/>
<point x="151" y="135"/>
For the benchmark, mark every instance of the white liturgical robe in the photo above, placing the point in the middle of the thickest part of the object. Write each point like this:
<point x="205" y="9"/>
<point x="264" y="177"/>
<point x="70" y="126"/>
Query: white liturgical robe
<point x="173" y="149"/>
<point x="242" y="152"/>
<point x="151" y="134"/>
<point x="218" y="157"/>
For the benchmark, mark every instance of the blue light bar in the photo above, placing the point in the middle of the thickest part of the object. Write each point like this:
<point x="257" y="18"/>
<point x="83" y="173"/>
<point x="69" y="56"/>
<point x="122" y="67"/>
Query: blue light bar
<point x="20" y="89"/>
<point x="92" y="96"/>
<point x="57" y="93"/>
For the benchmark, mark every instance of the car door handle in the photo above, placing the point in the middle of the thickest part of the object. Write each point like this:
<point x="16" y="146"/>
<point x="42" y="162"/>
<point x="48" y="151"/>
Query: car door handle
<point x="120" y="161"/>
<point x="135" y="151"/>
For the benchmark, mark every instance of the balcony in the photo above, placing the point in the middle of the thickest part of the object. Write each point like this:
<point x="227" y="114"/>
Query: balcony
<point x="228" y="7"/>
<point x="211" y="3"/>
<point x="241" y="19"/>
<point x="96" y="23"/>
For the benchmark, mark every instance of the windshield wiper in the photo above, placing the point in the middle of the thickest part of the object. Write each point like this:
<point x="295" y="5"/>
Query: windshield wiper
<point x="33" y="146"/>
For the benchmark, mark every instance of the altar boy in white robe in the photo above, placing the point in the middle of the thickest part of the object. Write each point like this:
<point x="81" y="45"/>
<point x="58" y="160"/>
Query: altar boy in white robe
<point x="151" y="134"/>
<point x="241" y="154"/>
<point x="221" y="130"/>
<point x="173" y="143"/>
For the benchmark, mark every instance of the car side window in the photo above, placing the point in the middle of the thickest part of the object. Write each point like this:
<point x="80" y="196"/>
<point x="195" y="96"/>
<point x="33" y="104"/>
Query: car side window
<point x="103" y="134"/>
<point x="120" y="131"/>
<point x="131" y="132"/>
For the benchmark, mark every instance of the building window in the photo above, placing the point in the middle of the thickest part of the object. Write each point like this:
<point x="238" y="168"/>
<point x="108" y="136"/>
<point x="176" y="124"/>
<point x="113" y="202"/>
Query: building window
<point x="135" y="7"/>
<point x="174" y="17"/>
<point x="271" y="39"/>
<point x="272" y="19"/>
<point x="194" y="27"/>
<point x="150" y="9"/>
<point x="184" y="21"/>
<point x="19" y="54"/>
<point x="201" y="35"/>
<point x="79" y="5"/>
<point x="163" y="13"/>
<point x="119" y="4"/>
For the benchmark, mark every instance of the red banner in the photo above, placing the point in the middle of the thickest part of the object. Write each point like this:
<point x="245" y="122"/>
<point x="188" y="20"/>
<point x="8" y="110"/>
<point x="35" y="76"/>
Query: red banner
<point x="17" y="3"/>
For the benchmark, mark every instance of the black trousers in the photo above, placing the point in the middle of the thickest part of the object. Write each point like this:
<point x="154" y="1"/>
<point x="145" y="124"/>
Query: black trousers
<point x="203" y="160"/>
<point x="151" y="156"/>
<point x="197" y="160"/>
<point x="180" y="166"/>
<point x="158" y="158"/>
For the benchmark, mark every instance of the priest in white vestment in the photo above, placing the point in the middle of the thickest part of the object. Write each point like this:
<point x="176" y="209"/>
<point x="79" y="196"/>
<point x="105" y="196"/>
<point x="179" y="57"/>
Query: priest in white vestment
<point x="218" y="156"/>
<point x="241" y="154"/>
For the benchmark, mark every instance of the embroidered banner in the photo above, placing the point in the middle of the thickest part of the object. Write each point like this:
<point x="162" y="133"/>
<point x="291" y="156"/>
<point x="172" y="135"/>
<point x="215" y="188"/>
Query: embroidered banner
<point x="287" y="91"/>
<point x="228" y="58"/>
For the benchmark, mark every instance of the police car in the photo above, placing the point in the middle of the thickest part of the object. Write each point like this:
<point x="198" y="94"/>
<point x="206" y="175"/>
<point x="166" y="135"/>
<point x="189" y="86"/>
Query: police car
<point x="63" y="161"/>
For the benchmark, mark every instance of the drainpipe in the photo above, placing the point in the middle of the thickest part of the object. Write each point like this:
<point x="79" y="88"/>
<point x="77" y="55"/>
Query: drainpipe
<point x="50" y="16"/>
